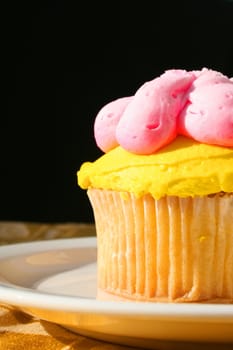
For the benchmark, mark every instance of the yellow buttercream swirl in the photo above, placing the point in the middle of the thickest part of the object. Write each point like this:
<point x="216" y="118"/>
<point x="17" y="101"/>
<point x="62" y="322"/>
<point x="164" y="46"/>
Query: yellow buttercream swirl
<point x="183" y="168"/>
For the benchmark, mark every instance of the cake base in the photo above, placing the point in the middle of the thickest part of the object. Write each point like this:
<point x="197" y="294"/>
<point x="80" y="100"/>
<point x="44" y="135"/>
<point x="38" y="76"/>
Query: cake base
<point x="172" y="249"/>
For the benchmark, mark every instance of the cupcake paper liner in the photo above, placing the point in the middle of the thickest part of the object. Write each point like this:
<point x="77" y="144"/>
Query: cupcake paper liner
<point x="170" y="249"/>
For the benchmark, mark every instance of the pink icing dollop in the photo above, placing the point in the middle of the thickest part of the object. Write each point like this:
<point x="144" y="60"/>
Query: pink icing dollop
<point x="106" y="122"/>
<point x="208" y="114"/>
<point x="197" y="104"/>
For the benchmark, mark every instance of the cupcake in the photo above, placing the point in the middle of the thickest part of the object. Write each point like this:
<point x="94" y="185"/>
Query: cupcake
<point x="162" y="192"/>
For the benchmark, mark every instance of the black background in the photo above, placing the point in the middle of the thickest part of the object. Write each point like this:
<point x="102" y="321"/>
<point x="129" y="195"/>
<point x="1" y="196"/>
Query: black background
<point x="63" y="61"/>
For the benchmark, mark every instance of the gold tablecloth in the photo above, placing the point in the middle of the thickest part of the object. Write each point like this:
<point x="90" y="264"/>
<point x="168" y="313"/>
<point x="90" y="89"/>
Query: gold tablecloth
<point x="21" y="331"/>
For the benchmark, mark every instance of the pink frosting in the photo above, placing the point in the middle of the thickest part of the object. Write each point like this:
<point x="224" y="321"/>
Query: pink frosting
<point x="197" y="104"/>
<point x="106" y="122"/>
<point x="208" y="114"/>
<point x="150" y="120"/>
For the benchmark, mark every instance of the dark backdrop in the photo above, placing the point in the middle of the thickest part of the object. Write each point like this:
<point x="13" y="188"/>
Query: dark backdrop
<point x="63" y="62"/>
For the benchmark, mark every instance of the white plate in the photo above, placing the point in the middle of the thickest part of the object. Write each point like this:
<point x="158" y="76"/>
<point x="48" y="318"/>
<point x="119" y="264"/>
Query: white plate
<point x="56" y="281"/>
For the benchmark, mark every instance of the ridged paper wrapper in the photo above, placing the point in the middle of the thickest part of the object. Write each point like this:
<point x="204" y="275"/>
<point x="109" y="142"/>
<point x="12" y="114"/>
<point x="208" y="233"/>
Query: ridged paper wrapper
<point x="172" y="249"/>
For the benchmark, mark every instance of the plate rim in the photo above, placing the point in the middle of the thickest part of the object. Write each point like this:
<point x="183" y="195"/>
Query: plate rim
<point x="28" y="297"/>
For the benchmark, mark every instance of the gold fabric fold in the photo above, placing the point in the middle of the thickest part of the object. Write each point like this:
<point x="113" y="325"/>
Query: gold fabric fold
<point x="20" y="232"/>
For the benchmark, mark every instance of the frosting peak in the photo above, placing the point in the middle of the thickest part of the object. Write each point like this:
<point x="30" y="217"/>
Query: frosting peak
<point x="149" y="121"/>
<point x="197" y="104"/>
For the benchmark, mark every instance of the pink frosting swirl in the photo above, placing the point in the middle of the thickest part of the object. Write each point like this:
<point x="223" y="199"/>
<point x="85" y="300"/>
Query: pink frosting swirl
<point x="106" y="122"/>
<point x="208" y="114"/>
<point x="197" y="104"/>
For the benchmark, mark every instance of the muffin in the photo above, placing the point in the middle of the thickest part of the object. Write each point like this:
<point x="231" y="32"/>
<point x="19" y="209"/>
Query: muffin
<point x="162" y="194"/>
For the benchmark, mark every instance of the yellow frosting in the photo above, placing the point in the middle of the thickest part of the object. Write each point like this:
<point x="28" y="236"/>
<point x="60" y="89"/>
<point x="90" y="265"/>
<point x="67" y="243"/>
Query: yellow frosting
<point x="183" y="168"/>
